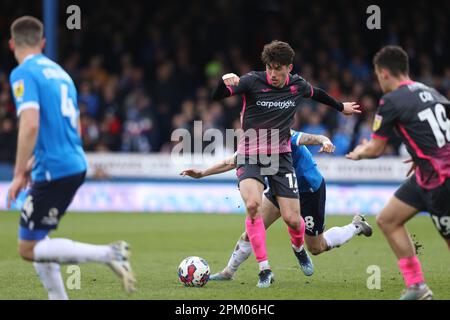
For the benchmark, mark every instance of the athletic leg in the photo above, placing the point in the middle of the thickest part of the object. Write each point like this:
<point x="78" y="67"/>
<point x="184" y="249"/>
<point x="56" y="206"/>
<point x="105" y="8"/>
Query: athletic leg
<point x="243" y="249"/>
<point x="41" y="213"/>
<point x="251" y="192"/>
<point x="392" y="221"/>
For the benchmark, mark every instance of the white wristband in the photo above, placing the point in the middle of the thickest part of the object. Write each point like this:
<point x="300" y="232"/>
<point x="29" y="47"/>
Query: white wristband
<point x="228" y="76"/>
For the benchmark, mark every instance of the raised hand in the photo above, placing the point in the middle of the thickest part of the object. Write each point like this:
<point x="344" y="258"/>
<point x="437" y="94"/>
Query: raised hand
<point x="351" y="108"/>
<point x="19" y="183"/>
<point x="193" y="173"/>
<point x="230" y="79"/>
<point x="327" y="147"/>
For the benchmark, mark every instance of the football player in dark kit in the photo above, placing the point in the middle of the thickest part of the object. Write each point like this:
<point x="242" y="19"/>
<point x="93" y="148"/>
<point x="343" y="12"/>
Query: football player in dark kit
<point x="419" y="115"/>
<point x="270" y="100"/>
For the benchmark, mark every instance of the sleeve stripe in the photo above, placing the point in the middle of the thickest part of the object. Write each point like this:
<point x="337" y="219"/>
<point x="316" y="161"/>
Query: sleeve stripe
<point x="230" y="89"/>
<point x="312" y="91"/>
<point x="376" y="136"/>
<point x="27" y="105"/>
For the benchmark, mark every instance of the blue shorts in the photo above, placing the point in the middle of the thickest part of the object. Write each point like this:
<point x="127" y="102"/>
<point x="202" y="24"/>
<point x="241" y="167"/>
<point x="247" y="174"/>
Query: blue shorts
<point x="45" y="204"/>
<point x="312" y="208"/>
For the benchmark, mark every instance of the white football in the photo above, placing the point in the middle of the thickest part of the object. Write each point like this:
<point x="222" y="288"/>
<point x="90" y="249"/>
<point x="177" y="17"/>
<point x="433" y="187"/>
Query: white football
<point x="193" y="272"/>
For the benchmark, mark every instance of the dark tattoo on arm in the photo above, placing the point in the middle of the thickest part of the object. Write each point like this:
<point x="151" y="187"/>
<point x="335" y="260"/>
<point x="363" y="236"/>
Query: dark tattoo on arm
<point x="310" y="139"/>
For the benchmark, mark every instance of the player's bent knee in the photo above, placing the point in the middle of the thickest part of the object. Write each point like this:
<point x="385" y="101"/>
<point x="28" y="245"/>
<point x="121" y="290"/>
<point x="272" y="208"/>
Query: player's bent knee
<point x="316" y="248"/>
<point x="253" y="207"/>
<point x="316" y="244"/>
<point x="379" y="221"/>
<point x="293" y="222"/>
<point x="26" y="250"/>
<point x="382" y="222"/>
<point x="386" y="224"/>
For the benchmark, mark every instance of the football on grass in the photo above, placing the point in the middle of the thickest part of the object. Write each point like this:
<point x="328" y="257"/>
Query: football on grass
<point x="194" y="272"/>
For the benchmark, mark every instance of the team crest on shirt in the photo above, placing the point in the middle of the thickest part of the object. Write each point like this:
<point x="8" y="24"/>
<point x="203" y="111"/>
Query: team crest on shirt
<point x="293" y="89"/>
<point x="377" y="122"/>
<point x="18" y="89"/>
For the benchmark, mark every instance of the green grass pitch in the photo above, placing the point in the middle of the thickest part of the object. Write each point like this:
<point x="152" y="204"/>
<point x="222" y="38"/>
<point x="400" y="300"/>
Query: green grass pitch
<point x="160" y="241"/>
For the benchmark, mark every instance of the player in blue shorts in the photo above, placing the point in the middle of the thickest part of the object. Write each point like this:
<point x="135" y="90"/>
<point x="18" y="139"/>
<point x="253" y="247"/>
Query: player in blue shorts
<point x="51" y="157"/>
<point x="312" y="190"/>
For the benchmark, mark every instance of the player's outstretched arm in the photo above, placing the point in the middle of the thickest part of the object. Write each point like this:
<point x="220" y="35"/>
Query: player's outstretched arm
<point x="347" y="108"/>
<point x="317" y="140"/>
<point x="368" y="150"/>
<point x="221" y="167"/>
<point x="28" y="132"/>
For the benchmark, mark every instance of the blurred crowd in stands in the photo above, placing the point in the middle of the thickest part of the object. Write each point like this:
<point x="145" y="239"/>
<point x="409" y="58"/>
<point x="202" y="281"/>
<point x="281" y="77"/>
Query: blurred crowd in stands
<point x="145" y="69"/>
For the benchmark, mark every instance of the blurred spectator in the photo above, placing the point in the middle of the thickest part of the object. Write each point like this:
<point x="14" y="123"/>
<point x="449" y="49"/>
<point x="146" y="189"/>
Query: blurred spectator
<point x="8" y="136"/>
<point x="140" y="78"/>
<point x="90" y="99"/>
<point x="139" y="124"/>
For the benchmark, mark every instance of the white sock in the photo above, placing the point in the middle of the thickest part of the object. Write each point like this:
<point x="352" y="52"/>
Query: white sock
<point x="68" y="251"/>
<point x="241" y="252"/>
<point x="51" y="278"/>
<point x="337" y="236"/>
<point x="263" y="265"/>
<point x="297" y="249"/>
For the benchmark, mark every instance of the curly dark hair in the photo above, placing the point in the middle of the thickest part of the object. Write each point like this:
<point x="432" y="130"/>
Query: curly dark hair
<point x="393" y="58"/>
<point x="277" y="52"/>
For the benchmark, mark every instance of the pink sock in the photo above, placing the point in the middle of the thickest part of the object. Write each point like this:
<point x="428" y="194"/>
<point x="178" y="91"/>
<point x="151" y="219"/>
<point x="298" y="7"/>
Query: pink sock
<point x="257" y="235"/>
<point x="298" y="236"/>
<point x="411" y="270"/>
